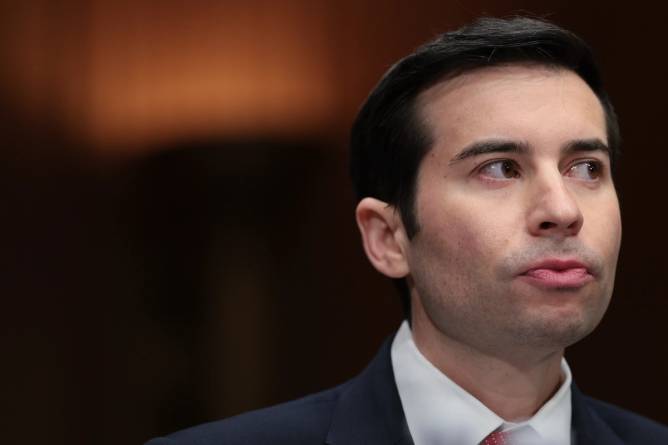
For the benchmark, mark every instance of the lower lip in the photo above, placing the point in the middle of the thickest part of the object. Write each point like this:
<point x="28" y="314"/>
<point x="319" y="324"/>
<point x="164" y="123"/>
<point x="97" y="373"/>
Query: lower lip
<point x="559" y="279"/>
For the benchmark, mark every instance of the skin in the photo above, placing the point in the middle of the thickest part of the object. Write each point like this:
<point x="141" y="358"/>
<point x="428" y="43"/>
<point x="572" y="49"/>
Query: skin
<point x="485" y="219"/>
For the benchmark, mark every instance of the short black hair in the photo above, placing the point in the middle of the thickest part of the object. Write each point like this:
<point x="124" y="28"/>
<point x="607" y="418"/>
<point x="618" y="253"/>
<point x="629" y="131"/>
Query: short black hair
<point x="388" y="139"/>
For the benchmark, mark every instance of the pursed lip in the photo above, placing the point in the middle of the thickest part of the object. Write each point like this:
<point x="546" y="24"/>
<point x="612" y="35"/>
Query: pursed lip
<point x="558" y="273"/>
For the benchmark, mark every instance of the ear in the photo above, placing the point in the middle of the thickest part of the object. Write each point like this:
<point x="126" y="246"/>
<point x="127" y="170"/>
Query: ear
<point x="383" y="236"/>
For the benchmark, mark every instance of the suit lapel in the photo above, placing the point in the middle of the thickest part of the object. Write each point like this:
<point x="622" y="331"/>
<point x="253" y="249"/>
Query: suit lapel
<point x="589" y="428"/>
<point x="369" y="410"/>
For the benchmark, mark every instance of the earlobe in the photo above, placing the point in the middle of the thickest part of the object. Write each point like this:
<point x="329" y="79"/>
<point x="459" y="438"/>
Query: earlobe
<point x="383" y="237"/>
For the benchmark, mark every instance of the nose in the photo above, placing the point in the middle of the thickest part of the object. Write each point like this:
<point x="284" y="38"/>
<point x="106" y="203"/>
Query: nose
<point x="553" y="212"/>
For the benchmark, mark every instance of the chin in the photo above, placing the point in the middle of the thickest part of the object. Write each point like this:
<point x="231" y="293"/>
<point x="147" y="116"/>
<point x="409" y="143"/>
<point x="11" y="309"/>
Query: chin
<point x="558" y="329"/>
<point x="562" y="317"/>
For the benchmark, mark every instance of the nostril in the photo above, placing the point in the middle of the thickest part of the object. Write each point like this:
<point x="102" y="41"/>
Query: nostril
<point x="546" y="225"/>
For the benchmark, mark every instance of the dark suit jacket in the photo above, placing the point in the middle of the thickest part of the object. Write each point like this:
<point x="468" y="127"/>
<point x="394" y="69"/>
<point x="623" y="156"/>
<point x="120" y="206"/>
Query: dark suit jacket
<point x="367" y="410"/>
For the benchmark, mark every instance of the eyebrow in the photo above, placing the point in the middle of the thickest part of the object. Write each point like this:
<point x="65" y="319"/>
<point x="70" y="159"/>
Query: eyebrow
<point x="490" y="146"/>
<point x="522" y="147"/>
<point x="586" y="145"/>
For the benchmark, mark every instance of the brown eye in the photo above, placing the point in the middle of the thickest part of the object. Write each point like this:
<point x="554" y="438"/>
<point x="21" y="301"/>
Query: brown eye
<point x="586" y="171"/>
<point x="501" y="170"/>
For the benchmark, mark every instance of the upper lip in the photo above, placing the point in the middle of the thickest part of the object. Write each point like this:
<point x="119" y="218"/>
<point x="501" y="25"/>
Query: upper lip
<point x="557" y="264"/>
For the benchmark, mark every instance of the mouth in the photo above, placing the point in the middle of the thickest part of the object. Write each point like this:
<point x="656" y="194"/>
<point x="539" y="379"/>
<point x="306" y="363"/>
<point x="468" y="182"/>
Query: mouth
<point x="558" y="274"/>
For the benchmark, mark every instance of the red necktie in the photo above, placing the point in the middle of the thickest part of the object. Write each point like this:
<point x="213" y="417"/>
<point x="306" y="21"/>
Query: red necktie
<point x="496" y="438"/>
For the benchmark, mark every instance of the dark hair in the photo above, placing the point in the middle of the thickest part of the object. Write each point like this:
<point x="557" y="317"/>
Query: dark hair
<point x="388" y="139"/>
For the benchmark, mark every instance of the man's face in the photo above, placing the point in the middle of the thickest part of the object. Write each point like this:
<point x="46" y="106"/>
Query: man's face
<point x="519" y="224"/>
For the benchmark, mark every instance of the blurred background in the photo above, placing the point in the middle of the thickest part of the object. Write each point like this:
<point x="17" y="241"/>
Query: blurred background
<point x="178" y="241"/>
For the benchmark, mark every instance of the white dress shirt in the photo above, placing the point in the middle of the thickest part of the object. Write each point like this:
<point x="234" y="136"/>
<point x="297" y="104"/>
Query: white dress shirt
<point x="438" y="411"/>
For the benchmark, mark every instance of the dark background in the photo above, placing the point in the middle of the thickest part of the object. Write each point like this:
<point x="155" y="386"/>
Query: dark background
<point x="178" y="242"/>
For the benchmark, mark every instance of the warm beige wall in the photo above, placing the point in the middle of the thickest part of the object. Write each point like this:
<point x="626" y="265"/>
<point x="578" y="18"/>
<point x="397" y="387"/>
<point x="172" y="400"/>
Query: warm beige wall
<point x="122" y="75"/>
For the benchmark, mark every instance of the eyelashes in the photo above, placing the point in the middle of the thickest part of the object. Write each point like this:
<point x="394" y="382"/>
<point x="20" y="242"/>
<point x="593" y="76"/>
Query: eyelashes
<point x="502" y="169"/>
<point x="588" y="170"/>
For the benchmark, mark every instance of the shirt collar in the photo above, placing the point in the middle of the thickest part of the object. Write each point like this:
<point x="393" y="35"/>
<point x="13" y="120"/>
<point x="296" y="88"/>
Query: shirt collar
<point x="438" y="410"/>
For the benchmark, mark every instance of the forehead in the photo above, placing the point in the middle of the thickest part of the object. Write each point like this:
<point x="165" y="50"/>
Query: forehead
<point x="540" y="105"/>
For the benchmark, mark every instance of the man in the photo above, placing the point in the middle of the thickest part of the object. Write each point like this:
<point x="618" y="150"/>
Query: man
<point x="483" y="165"/>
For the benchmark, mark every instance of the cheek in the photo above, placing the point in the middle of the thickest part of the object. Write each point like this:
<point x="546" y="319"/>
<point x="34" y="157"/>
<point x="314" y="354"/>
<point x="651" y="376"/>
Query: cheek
<point x="605" y="229"/>
<point x="465" y="232"/>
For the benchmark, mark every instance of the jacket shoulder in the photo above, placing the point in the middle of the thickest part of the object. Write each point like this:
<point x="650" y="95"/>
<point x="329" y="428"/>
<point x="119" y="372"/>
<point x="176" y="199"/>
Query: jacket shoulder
<point x="302" y="421"/>
<point x="629" y="426"/>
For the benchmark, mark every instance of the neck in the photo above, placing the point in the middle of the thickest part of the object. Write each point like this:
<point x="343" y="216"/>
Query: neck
<point x="513" y="384"/>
